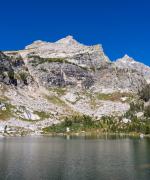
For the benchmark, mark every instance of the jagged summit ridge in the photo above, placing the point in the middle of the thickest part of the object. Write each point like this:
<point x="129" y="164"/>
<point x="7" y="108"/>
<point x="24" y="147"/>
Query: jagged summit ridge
<point x="68" y="40"/>
<point x="67" y="44"/>
<point x="69" y="49"/>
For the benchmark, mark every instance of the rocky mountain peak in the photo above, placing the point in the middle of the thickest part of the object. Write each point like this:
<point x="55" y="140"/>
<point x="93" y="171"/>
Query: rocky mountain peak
<point x="126" y="56"/>
<point x="69" y="40"/>
<point x="129" y="63"/>
<point x="36" y="44"/>
<point x="69" y="49"/>
<point x="126" y="59"/>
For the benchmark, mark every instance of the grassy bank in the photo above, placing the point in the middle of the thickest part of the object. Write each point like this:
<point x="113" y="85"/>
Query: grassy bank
<point x="86" y="124"/>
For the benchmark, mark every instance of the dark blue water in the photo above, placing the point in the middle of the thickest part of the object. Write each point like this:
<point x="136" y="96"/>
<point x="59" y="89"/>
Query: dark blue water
<point x="59" y="158"/>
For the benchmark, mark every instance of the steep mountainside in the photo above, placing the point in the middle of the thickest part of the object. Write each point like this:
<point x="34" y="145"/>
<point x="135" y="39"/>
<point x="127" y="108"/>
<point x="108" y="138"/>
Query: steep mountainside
<point x="46" y="82"/>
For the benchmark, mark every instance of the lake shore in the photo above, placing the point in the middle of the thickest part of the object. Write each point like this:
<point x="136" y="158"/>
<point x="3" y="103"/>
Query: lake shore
<point x="95" y="134"/>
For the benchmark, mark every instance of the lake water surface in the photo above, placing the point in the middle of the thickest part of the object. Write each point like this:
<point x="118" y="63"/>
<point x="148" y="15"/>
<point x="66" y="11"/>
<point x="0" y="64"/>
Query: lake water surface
<point x="60" y="158"/>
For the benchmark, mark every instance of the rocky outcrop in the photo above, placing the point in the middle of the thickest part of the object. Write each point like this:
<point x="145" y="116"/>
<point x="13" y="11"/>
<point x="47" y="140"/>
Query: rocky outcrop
<point x="50" y="72"/>
<point x="114" y="79"/>
<point x="15" y="71"/>
<point x="6" y="70"/>
<point x="129" y="63"/>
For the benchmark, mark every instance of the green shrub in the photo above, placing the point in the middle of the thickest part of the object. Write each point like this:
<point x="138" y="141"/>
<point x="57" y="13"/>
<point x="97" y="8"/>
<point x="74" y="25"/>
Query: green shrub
<point x="137" y="106"/>
<point x="67" y="122"/>
<point x="60" y="91"/>
<point x="87" y="121"/>
<point x="147" y="111"/>
<point x="8" y="113"/>
<point x="116" y="96"/>
<point x="145" y="93"/>
<point x="39" y="60"/>
<point x="23" y="76"/>
<point x="42" y="114"/>
<point x="55" y="100"/>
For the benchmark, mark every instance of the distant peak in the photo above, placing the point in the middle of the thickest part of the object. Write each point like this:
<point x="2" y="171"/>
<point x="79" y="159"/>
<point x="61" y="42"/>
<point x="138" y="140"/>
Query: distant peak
<point x="69" y="37"/>
<point x="67" y="40"/>
<point x="36" y="44"/>
<point x="127" y="58"/>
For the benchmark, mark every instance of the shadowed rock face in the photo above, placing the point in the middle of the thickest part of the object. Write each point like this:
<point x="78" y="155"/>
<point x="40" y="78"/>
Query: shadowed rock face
<point x="6" y="70"/>
<point x="5" y="63"/>
<point x="59" y="72"/>
<point x="13" y="70"/>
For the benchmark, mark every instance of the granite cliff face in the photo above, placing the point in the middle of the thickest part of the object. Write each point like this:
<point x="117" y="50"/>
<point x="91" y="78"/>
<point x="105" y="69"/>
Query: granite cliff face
<point x="47" y="81"/>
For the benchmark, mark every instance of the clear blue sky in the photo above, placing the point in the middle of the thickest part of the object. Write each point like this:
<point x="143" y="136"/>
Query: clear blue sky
<point x="121" y="26"/>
